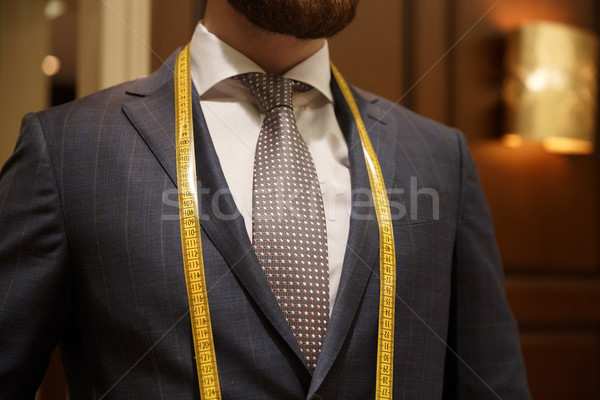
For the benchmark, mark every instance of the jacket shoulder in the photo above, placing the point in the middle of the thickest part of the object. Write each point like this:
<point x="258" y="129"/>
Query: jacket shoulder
<point x="389" y="110"/>
<point x="409" y="129"/>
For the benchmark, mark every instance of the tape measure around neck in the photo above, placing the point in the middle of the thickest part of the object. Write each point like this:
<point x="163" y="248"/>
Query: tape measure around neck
<point x="387" y="252"/>
<point x="206" y="362"/>
<point x="204" y="346"/>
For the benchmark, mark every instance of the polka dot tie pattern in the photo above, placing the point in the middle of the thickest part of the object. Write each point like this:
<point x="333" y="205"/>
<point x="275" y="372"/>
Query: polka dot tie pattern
<point x="288" y="219"/>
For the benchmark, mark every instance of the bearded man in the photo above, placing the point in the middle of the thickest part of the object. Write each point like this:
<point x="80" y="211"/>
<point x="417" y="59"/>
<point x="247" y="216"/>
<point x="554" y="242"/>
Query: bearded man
<point x="313" y="281"/>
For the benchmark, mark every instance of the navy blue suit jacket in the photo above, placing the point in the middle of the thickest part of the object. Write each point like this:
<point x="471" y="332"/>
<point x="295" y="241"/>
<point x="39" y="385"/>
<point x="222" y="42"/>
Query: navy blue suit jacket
<point x="90" y="259"/>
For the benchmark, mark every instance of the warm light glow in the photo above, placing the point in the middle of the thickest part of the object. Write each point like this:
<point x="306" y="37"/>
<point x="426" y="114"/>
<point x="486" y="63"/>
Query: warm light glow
<point x="563" y="145"/>
<point x="512" y="140"/>
<point x="542" y="79"/>
<point x="550" y="88"/>
<point x="55" y="9"/>
<point x="50" y="65"/>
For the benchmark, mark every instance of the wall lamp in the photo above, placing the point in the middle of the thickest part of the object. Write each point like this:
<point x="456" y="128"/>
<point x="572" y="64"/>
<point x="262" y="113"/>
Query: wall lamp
<point x="550" y="89"/>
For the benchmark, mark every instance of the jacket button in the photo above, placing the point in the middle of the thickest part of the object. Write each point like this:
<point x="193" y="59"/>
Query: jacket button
<point x="317" y="397"/>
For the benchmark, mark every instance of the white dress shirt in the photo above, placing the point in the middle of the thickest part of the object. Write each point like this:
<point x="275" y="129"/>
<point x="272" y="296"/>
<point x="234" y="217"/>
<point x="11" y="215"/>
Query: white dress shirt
<point x="234" y="119"/>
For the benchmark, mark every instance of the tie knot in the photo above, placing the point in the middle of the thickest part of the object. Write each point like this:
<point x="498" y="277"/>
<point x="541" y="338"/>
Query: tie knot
<point x="272" y="90"/>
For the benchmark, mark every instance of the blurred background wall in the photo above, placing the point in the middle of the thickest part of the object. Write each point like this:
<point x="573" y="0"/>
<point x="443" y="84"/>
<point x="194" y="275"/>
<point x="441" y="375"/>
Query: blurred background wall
<point x="441" y="58"/>
<point x="23" y="86"/>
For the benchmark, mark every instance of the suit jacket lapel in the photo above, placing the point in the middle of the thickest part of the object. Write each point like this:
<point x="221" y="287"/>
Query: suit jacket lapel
<point x="360" y="259"/>
<point x="152" y="112"/>
<point x="230" y="236"/>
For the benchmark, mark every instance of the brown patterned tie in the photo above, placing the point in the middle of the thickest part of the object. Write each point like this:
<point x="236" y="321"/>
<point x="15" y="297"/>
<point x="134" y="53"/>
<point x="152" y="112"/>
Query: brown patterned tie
<point x="288" y="220"/>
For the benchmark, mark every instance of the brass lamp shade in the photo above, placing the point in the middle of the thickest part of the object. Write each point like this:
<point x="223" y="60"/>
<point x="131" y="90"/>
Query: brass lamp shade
<point x="551" y="87"/>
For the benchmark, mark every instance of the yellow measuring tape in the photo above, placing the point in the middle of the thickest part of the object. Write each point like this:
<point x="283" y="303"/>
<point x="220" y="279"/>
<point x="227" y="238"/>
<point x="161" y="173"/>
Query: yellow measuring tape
<point x="387" y="253"/>
<point x="206" y="362"/>
<point x="204" y="345"/>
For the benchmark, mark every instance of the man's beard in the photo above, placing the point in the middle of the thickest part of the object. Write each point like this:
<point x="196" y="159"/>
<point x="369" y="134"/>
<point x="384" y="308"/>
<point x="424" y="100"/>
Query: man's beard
<point x="304" y="19"/>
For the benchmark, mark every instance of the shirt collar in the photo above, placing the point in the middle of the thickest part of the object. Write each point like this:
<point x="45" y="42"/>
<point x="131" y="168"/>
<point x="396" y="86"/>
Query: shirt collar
<point x="213" y="61"/>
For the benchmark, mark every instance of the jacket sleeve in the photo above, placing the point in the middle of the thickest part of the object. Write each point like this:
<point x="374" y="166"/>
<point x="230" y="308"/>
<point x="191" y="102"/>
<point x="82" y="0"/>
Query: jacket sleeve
<point x="33" y="264"/>
<point x="484" y="358"/>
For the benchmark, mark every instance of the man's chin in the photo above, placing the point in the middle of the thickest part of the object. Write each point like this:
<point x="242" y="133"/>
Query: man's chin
<point x="302" y="19"/>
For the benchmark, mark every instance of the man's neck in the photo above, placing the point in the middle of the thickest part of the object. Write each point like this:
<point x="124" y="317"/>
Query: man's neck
<point x="273" y="52"/>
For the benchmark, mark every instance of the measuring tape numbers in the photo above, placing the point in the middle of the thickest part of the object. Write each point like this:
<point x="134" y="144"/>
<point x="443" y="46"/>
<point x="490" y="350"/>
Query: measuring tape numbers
<point x="387" y="253"/>
<point x="206" y="362"/>
<point x="204" y="346"/>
